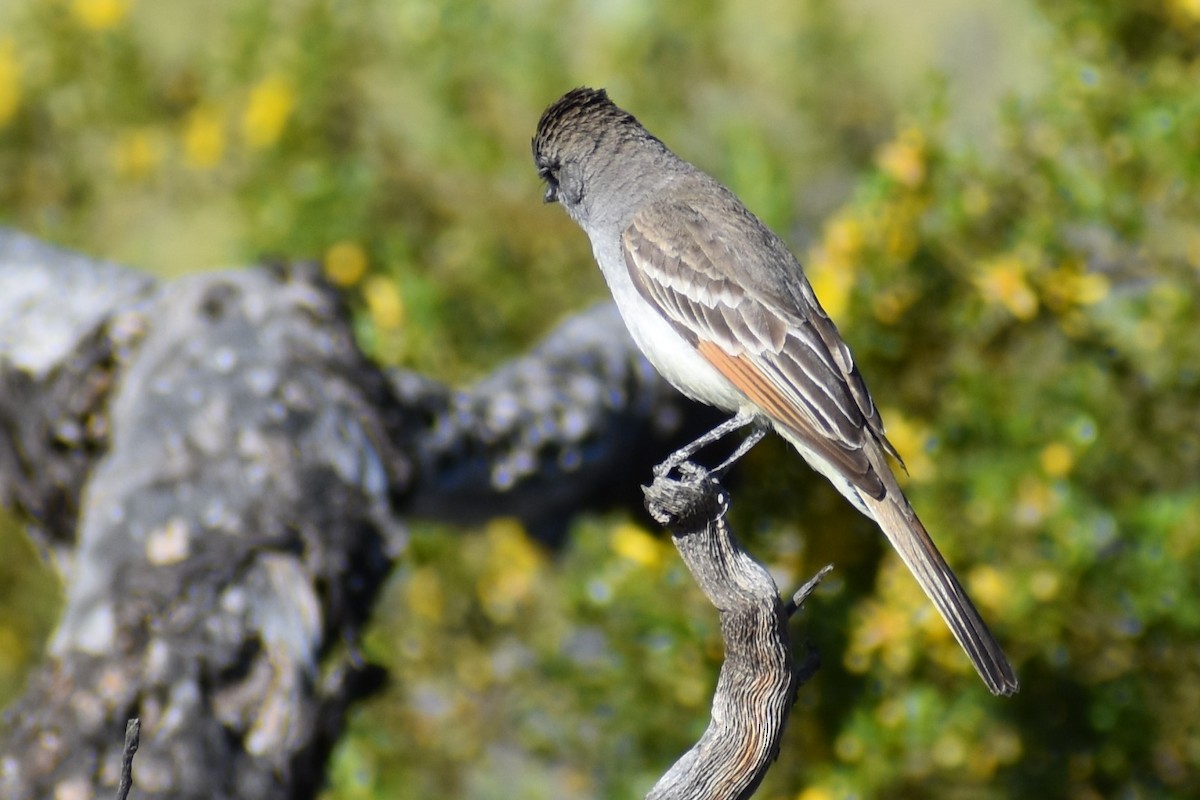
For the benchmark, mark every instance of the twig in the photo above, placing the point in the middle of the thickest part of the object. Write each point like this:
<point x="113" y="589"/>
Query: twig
<point x="133" y="737"/>
<point x="758" y="680"/>
<point x="802" y="594"/>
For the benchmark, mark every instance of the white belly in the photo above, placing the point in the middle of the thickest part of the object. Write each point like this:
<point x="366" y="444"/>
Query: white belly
<point x="671" y="355"/>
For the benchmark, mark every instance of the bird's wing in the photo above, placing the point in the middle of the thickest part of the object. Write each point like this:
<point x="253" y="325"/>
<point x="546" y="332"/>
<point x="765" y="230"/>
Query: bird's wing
<point x="735" y="292"/>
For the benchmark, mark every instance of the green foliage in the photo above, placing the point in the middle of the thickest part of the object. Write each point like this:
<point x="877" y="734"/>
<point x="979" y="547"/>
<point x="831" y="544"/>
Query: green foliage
<point x="517" y="672"/>
<point x="183" y="136"/>
<point x="1024" y="305"/>
<point x="29" y="604"/>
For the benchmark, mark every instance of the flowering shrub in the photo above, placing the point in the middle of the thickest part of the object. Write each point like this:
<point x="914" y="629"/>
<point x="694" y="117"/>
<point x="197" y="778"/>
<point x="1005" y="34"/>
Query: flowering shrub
<point x="1024" y="305"/>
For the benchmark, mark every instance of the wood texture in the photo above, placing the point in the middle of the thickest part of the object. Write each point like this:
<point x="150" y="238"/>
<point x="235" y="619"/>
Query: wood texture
<point x="758" y="680"/>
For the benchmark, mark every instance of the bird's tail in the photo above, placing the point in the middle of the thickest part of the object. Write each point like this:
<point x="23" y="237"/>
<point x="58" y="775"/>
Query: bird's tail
<point x="906" y="533"/>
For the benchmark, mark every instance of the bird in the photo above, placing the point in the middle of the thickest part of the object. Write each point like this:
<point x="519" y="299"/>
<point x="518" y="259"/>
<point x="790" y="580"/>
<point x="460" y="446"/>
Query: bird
<point x="722" y="309"/>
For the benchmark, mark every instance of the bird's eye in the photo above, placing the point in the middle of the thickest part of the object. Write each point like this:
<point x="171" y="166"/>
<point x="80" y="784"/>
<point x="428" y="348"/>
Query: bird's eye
<point x="549" y="175"/>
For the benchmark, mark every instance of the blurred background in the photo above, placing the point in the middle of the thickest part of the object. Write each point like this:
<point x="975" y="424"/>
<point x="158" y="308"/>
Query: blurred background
<point x="1000" y="205"/>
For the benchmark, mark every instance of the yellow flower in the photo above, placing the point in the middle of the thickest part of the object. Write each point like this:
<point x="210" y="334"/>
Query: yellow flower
<point x="384" y="302"/>
<point x="989" y="586"/>
<point x="909" y="437"/>
<point x="899" y="227"/>
<point x="1003" y="281"/>
<point x="832" y="264"/>
<point x="1057" y="460"/>
<point x="832" y="284"/>
<point x="100" y="15"/>
<point x="843" y="238"/>
<point x="10" y="80"/>
<point x="513" y="565"/>
<point x="816" y="793"/>
<point x="632" y="542"/>
<point x="1187" y="9"/>
<point x="1034" y="501"/>
<point x="345" y="263"/>
<point x="1070" y="285"/>
<point x="204" y="137"/>
<point x="137" y="153"/>
<point x="903" y="158"/>
<point x="424" y="595"/>
<point x="267" y="112"/>
<point x="883" y="630"/>
<point x="1091" y="289"/>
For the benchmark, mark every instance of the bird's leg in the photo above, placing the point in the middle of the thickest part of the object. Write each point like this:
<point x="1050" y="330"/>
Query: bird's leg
<point x="727" y="427"/>
<point x="755" y="436"/>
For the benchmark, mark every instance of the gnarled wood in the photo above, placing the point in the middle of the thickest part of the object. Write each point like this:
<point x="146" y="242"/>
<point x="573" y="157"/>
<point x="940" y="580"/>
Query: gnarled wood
<point x="758" y="681"/>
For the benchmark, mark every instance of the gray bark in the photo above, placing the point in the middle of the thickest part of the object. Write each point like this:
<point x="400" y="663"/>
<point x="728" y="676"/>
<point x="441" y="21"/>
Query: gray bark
<point x="223" y="479"/>
<point x="758" y="680"/>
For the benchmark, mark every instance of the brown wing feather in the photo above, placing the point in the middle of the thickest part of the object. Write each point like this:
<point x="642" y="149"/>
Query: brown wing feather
<point x="764" y="331"/>
<point x="763" y="393"/>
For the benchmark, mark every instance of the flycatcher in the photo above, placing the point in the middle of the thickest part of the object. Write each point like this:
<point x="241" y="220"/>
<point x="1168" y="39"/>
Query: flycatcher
<point x="722" y="309"/>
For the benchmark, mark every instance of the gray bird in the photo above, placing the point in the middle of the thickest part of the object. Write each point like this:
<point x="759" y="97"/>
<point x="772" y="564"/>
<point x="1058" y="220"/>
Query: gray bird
<point x="722" y="309"/>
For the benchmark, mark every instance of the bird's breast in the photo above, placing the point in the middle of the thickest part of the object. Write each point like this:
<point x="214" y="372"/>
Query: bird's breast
<point x="669" y="352"/>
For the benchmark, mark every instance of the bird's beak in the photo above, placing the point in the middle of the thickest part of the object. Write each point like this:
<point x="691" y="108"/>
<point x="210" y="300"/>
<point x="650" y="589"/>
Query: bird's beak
<point x="551" y="195"/>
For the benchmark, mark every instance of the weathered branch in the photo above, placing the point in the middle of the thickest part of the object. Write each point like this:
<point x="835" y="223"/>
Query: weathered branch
<point x="231" y="531"/>
<point x="133" y="738"/>
<point x="758" y="681"/>
<point x="223" y="479"/>
<point x="547" y="434"/>
<point x="61" y="333"/>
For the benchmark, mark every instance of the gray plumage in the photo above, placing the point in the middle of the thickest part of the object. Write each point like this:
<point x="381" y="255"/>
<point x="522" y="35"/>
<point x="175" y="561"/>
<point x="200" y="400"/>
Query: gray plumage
<point x="722" y="309"/>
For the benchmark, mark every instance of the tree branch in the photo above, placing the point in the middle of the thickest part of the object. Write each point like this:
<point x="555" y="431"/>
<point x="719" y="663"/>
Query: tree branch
<point x="222" y="479"/>
<point x="758" y="681"/>
<point x="133" y="738"/>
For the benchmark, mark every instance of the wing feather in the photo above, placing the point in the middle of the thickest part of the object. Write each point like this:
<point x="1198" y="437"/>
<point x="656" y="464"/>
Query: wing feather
<point x="742" y="301"/>
<point x="763" y="330"/>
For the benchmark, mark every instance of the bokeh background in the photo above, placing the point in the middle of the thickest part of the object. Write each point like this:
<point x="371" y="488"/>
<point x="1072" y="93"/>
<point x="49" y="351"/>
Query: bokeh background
<point x="998" y="202"/>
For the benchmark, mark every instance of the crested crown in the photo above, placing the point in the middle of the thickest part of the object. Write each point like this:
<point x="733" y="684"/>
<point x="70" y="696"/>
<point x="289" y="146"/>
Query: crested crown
<point x="581" y="111"/>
